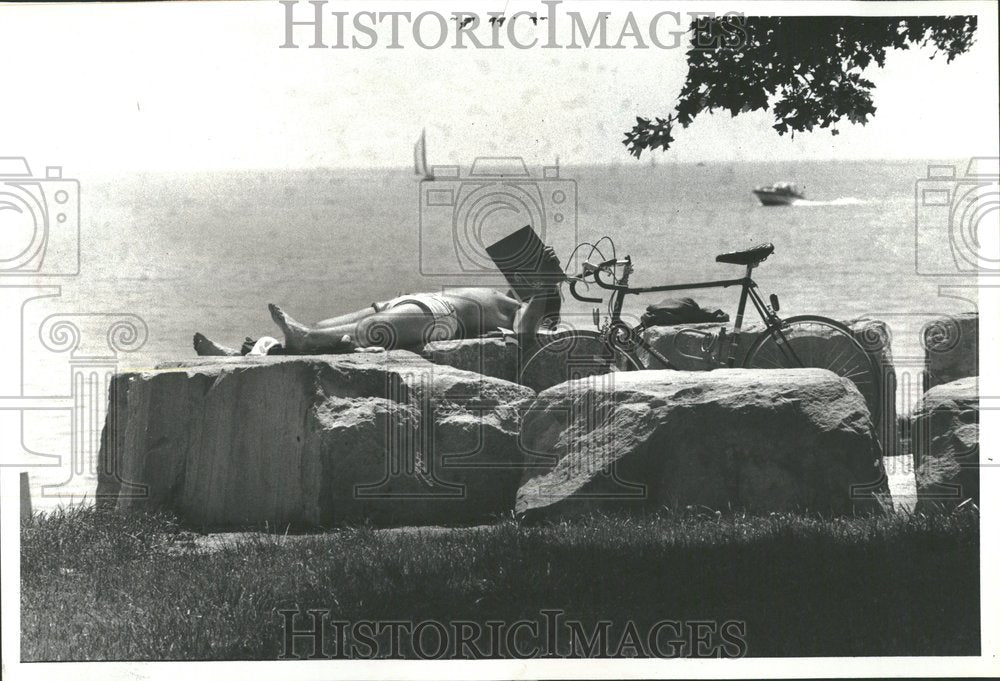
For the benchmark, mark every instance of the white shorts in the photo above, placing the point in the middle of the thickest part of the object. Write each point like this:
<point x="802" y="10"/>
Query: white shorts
<point x="443" y="313"/>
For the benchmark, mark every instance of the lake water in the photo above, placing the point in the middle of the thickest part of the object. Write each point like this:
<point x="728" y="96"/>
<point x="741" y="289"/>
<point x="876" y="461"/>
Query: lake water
<point x="208" y="251"/>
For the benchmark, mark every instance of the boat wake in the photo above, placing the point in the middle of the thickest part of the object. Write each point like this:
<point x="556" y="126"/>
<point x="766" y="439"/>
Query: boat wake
<point x="842" y="201"/>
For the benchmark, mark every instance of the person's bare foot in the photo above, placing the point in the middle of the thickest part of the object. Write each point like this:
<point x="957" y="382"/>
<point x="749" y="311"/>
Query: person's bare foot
<point x="295" y="333"/>
<point x="207" y="348"/>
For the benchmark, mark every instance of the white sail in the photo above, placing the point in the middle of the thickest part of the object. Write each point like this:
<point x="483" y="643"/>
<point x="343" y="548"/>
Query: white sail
<point x="420" y="158"/>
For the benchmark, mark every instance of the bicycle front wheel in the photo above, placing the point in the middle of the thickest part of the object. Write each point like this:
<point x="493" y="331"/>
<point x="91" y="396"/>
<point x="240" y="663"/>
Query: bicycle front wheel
<point x="809" y="341"/>
<point x="571" y="354"/>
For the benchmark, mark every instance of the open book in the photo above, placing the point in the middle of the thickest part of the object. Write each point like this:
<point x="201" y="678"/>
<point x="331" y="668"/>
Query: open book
<point x="519" y="256"/>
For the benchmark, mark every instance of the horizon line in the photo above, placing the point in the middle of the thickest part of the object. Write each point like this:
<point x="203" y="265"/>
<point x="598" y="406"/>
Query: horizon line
<point x="625" y="163"/>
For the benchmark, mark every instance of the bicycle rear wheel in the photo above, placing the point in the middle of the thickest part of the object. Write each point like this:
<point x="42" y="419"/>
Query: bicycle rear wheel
<point x="809" y="341"/>
<point x="571" y="354"/>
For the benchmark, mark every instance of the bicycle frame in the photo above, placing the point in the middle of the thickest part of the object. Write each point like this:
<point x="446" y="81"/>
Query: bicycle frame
<point x="748" y="291"/>
<point x="773" y="347"/>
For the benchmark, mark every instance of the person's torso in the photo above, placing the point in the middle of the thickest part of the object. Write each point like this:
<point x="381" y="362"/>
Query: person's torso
<point x="481" y="310"/>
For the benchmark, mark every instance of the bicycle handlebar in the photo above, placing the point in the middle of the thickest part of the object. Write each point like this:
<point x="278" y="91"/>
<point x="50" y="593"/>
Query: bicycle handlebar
<point x="586" y="299"/>
<point x="604" y="266"/>
<point x="589" y="269"/>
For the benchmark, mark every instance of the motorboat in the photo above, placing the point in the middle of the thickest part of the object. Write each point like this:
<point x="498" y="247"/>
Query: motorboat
<point x="779" y="194"/>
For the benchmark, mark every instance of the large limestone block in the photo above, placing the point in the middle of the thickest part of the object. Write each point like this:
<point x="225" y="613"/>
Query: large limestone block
<point x="946" y="444"/>
<point x="388" y="437"/>
<point x="685" y="346"/>
<point x="951" y="348"/>
<point x="539" y="366"/>
<point x="494" y="357"/>
<point x="760" y="440"/>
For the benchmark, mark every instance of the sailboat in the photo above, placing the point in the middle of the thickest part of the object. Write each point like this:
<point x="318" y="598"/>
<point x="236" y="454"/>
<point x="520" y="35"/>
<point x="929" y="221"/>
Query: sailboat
<point x="420" y="158"/>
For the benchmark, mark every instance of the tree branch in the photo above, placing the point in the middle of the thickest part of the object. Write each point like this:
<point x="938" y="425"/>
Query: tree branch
<point x="807" y="70"/>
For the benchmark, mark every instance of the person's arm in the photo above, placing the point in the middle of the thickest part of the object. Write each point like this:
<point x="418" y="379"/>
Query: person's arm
<point x="545" y="304"/>
<point x="529" y="317"/>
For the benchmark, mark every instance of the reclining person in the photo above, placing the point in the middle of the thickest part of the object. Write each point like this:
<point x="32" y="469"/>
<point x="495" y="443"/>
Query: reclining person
<point x="406" y="322"/>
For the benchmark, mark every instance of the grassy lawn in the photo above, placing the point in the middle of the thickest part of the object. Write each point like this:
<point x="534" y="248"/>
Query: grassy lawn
<point x="101" y="586"/>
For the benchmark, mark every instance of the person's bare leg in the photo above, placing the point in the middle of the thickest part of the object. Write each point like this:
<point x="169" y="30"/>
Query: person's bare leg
<point x="400" y="327"/>
<point x="345" y="319"/>
<point x="207" y="348"/>
<point x="301" y="340"/>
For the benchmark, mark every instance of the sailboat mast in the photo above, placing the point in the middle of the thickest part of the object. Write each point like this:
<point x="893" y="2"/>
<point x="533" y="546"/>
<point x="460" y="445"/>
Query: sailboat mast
<point x="420" y="157"/>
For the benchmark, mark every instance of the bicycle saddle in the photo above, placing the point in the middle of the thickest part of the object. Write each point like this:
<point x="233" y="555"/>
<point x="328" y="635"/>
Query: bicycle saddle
<point x="751" y="256"/>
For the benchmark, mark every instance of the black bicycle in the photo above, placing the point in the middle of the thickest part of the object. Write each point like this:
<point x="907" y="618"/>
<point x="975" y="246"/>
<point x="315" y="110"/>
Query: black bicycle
<point x="797" y="342"/>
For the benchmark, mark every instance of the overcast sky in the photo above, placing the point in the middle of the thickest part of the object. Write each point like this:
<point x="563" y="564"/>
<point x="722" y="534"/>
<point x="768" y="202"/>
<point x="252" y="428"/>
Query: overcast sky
<point x="192" y="85"/>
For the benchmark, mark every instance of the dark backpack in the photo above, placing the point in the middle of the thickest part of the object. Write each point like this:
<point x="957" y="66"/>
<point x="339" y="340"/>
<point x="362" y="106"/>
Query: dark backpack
<point x="671" y="311"/>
